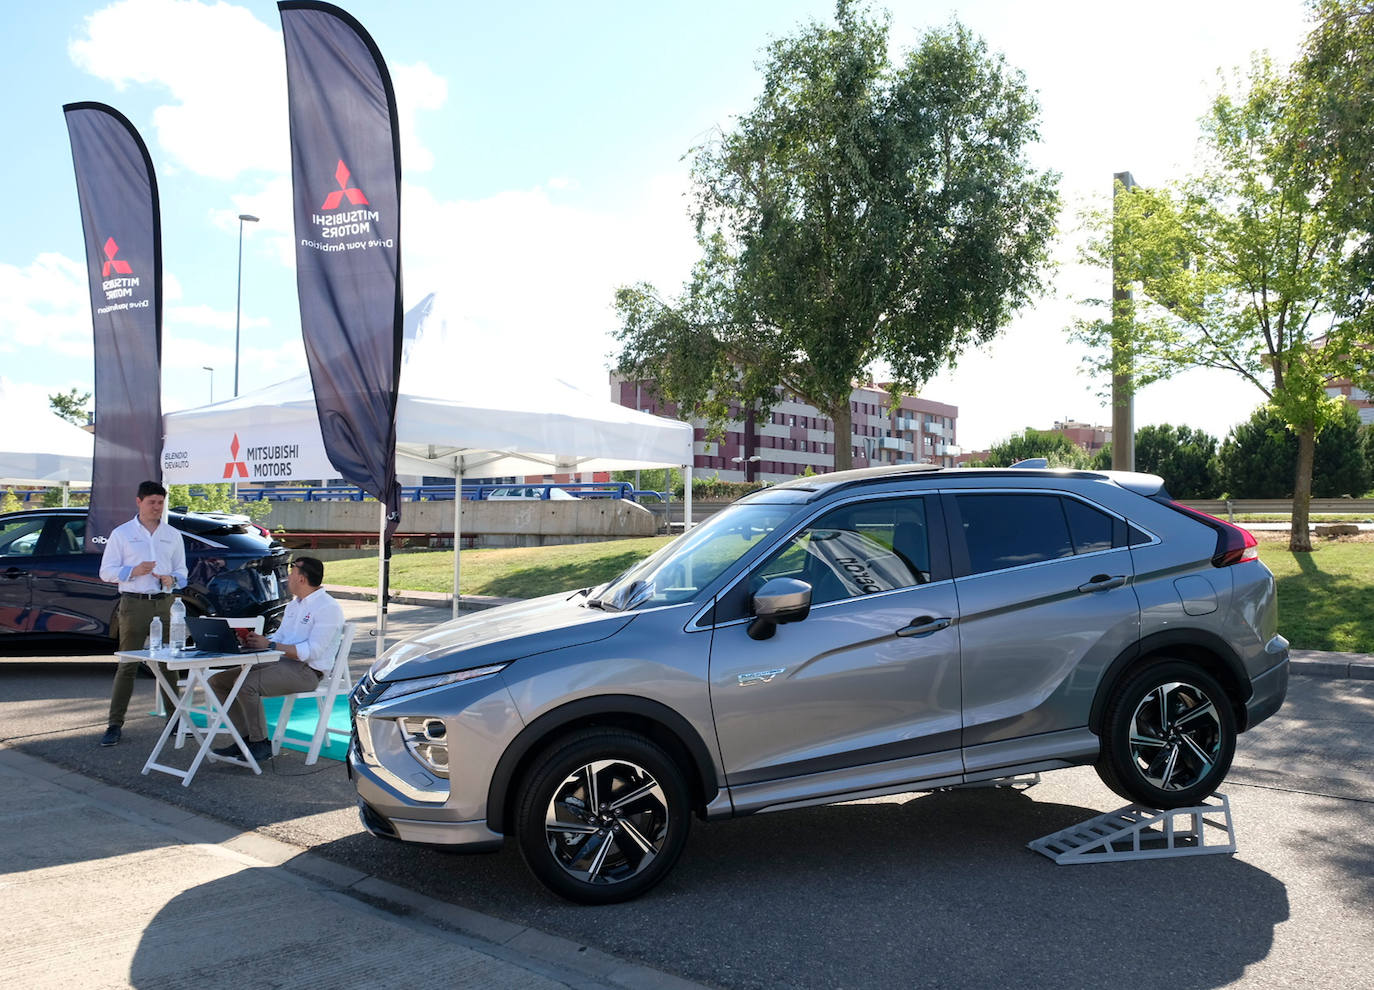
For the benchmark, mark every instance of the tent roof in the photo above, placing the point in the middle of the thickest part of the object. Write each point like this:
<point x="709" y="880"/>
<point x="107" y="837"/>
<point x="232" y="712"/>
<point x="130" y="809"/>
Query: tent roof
<point x="454" y="413"/>
<point x="41" y="448"/>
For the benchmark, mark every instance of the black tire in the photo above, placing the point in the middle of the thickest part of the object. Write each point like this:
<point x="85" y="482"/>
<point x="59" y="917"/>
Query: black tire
<point x="1179" y="760"/>
<point x="612" y="849"/>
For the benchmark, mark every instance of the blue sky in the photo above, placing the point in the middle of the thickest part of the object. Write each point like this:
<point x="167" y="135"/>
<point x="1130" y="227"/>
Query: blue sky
<point x="543" y="166"/>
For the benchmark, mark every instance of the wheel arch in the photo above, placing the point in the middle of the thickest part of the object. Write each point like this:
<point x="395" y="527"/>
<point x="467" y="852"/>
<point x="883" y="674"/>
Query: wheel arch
<point x="650" y="719"/>
<point x="1206" y="649"/>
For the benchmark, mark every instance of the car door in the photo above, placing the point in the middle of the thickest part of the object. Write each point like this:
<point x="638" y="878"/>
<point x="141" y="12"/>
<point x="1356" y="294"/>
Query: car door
<point x="1046" y="602"/>
<point x="68" y="597"/>
<point x="864" y="692"/>
<point x="19" y="535"/>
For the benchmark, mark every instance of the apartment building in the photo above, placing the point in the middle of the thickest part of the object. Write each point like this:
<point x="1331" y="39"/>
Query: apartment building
<point x="791" y="436"/>
<point x="1357" y="397"/>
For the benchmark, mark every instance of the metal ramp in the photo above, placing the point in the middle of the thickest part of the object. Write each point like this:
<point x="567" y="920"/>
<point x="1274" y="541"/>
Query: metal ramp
<point x="1136" y="832"/>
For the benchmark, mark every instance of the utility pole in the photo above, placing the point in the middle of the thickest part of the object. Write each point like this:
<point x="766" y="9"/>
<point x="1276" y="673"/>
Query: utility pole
<point x="1123" y="399"/>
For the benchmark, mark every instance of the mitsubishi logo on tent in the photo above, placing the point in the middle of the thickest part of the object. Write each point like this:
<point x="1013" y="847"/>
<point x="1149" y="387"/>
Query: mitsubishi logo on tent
<point x="354" y="194"/>
<point x="111" y="262"/>
<point x="235" y="466"/>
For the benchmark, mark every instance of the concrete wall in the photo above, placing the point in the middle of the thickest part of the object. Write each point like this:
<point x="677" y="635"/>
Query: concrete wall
<point x="492" y="524"/>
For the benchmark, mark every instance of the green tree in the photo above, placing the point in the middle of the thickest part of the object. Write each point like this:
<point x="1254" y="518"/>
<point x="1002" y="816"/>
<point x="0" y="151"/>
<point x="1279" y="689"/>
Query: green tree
<point x="1238" y="268"/>
<point x="9" y="502"/>
<point x="71" y="406"/>
<point x="1258" y="457"/>
<point x="216" y="498"/>
<point x="1367" y="445"/>
<point x="1056" y="448"/>
<point x="861" y="212"/>
<point x="1102" y="460"/>
<point x="1185" y="458"/>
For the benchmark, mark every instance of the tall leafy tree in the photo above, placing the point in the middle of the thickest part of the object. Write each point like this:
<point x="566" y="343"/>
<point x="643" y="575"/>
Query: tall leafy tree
<point x="1184" y="457"/>
<point x="1240" y="267"/>
<point x="861" y="212"/>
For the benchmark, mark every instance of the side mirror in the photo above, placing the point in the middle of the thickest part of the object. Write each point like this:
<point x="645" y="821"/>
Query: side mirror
<point x="780" y="600"/>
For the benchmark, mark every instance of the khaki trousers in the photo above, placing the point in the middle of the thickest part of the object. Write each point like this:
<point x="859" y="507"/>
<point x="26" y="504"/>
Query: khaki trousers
<point x="135" y="615"/>
<point x="268" y="680"/>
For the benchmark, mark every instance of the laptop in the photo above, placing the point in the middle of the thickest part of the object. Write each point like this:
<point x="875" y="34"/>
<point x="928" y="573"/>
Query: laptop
<point x="216" y="636"/>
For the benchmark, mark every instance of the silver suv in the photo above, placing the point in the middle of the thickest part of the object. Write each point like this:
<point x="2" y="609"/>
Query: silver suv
<point x="836" y="637"/>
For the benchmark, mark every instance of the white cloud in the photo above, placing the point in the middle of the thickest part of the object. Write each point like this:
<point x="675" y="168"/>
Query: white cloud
<point x="45" y="308"/>
<point x="534" y="277"/>
<point x="417" y="87"/>
<point x="226" y="75"/>
<point x="222" y="67"/>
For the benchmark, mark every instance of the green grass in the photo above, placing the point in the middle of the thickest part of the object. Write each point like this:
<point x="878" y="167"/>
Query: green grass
<point x="1326" y="598"/>
<point x="517" y="572"/>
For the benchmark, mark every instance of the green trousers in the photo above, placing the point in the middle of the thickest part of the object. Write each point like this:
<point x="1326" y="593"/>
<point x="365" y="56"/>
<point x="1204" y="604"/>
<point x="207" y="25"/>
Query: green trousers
<point x="135" y="615"/>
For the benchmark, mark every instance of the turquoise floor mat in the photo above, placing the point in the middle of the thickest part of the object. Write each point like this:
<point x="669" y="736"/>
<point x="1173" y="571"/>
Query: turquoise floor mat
<point x="302" y="725"/>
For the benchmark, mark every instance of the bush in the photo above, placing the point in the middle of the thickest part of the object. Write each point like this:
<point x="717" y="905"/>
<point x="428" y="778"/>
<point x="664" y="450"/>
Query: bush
<point x="1259" y="458"/>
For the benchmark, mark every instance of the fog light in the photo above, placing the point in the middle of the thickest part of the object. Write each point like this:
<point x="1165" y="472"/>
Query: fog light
<point x="427" y="741"/>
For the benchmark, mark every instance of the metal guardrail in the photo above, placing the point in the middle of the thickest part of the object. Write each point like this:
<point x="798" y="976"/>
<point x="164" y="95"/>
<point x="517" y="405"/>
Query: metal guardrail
<point x="442" y="493"/>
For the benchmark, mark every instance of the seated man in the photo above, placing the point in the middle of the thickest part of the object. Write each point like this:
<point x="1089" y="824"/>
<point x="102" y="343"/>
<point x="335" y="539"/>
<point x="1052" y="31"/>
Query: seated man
<point x="308" y="638"/>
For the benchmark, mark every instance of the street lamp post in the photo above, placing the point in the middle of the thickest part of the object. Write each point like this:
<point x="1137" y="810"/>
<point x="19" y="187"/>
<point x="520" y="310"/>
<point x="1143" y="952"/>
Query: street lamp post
<point x="238" y="299"/>
<point x="206" y="367"/>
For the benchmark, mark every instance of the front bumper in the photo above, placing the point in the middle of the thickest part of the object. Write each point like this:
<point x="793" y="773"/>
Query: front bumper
<point x="469" y="836"/>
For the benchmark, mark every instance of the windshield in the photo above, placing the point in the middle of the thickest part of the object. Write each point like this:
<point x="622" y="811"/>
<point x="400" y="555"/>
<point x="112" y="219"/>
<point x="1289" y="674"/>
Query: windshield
<point x="680" y="570"/>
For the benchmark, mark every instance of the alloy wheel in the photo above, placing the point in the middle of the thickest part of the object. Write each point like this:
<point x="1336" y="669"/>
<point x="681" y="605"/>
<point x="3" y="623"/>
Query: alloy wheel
<point x="1175" y="736"/>
<point x="607" y="822"/>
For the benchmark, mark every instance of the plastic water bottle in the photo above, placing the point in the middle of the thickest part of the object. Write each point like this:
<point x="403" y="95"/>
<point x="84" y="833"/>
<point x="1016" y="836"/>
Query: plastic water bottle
<point x="155" y="637"/>
<point x="178" y="630"/>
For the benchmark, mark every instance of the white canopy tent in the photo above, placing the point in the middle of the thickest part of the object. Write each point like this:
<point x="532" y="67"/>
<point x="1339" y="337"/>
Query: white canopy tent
<point x="40" y="448"/>
<point x="454" y="418"/>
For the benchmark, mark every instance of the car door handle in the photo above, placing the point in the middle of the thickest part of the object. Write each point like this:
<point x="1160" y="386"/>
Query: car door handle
<point x="924" y="625"/>
<point x="1103" y="582"/>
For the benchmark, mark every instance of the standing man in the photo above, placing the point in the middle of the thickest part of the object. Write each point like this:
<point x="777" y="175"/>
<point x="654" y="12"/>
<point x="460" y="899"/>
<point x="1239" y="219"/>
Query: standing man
<point x="147" y="559"/>
<point x="308" y="639"/>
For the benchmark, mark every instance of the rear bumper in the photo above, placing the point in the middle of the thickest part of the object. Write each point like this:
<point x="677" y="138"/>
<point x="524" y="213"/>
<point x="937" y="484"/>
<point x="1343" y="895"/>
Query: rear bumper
<point x="1267" y="693"/>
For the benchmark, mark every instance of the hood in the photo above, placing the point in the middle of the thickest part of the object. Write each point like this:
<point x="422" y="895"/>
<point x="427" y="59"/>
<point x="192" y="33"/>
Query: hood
<point x="498" y="635"/>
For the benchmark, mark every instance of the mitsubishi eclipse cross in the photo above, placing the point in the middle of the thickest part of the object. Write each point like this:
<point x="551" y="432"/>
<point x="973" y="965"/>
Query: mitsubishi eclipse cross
<point x="835" y="637"/>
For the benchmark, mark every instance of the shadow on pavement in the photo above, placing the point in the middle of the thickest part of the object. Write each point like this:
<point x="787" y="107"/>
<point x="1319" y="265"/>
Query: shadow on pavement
<point x="936" y="890"/>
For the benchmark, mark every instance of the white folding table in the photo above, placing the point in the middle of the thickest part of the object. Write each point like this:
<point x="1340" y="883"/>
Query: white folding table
<point x="198" y="667"/>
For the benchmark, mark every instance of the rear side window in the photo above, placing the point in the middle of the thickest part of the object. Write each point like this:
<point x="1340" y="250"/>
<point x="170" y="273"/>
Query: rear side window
<point x="1089" y="529"/>
<point x="1009" y="530"/>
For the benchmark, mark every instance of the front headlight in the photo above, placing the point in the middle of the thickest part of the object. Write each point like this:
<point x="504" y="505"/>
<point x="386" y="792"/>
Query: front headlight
<point x="399" y="689"/>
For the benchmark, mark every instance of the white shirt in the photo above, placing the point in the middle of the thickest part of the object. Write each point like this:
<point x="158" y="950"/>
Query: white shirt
<point x="312" y="625"/>
<point x="131" y="544"/>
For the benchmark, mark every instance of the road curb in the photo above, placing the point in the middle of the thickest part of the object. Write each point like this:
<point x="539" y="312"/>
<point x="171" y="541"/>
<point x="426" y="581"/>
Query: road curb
<point x="1317" y="663"/>
<point x="552" y="956"/>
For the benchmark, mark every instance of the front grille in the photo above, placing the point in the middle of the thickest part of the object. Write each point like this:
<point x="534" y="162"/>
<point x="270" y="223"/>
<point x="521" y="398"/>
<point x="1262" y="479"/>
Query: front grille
<point x="364" y="692"/>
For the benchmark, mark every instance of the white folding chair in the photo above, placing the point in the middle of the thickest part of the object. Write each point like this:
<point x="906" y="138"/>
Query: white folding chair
<point x="254" y="623"/>
<point x="335" y="682"/>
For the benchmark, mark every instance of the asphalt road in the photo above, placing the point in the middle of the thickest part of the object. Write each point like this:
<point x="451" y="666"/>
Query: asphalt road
<point x="916" y="890"/>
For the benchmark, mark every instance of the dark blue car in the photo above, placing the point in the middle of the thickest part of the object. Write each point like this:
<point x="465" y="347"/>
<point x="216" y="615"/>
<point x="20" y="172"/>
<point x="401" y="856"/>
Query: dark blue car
<point x="49" y="588"/>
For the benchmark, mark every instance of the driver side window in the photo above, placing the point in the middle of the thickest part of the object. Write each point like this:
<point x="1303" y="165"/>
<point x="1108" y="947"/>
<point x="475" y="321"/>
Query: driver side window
<point x="859" y="549"/>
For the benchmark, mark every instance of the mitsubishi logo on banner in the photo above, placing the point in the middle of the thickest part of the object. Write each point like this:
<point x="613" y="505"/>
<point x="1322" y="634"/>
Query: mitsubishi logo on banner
<point x="120" y="267"/>
<point x="354" y="194"/>
<point x="235" y="466"/>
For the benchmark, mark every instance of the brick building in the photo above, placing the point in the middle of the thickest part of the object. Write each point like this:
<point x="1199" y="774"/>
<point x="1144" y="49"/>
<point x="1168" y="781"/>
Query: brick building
<point x="785" y="440"/>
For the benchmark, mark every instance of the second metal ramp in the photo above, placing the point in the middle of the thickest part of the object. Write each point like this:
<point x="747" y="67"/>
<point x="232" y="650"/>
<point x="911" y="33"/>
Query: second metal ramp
<point x="1135" y="832"/>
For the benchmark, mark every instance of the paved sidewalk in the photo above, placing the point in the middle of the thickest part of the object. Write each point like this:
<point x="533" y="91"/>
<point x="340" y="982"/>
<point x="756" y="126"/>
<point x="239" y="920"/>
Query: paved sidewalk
<point x="105" y="888"/>
<point x="1316" y="663"/>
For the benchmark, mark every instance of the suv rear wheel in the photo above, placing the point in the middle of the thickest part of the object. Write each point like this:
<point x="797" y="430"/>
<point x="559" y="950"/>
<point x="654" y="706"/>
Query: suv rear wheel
<point x="1169" y="736"/>
<point x="603" y="816"/>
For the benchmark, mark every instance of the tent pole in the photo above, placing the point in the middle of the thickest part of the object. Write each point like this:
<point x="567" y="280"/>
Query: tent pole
<point x="382" y="576"/>
<point x="66" y="493"/>
<point x="457" y="527"/>
<point x="687" y="497"/>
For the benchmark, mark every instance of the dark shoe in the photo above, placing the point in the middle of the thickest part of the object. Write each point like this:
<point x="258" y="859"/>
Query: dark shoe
<point x="261" y="749"/>
<point x="111" y="736"/>
<point x="231" y="751"/>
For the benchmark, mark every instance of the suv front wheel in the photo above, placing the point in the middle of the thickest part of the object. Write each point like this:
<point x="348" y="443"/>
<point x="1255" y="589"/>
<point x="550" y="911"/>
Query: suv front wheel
<point x="603" y="816"/>
<point x="1169" y="736"/>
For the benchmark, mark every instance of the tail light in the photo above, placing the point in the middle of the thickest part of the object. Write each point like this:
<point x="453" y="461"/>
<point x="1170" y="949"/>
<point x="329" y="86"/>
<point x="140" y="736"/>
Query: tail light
<point x="1234" y="545"/>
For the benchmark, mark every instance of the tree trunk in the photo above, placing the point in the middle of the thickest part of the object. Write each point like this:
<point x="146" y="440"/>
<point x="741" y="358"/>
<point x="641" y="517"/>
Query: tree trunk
<point x="1300" y="538"/>
<point x="842" y="418"/>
